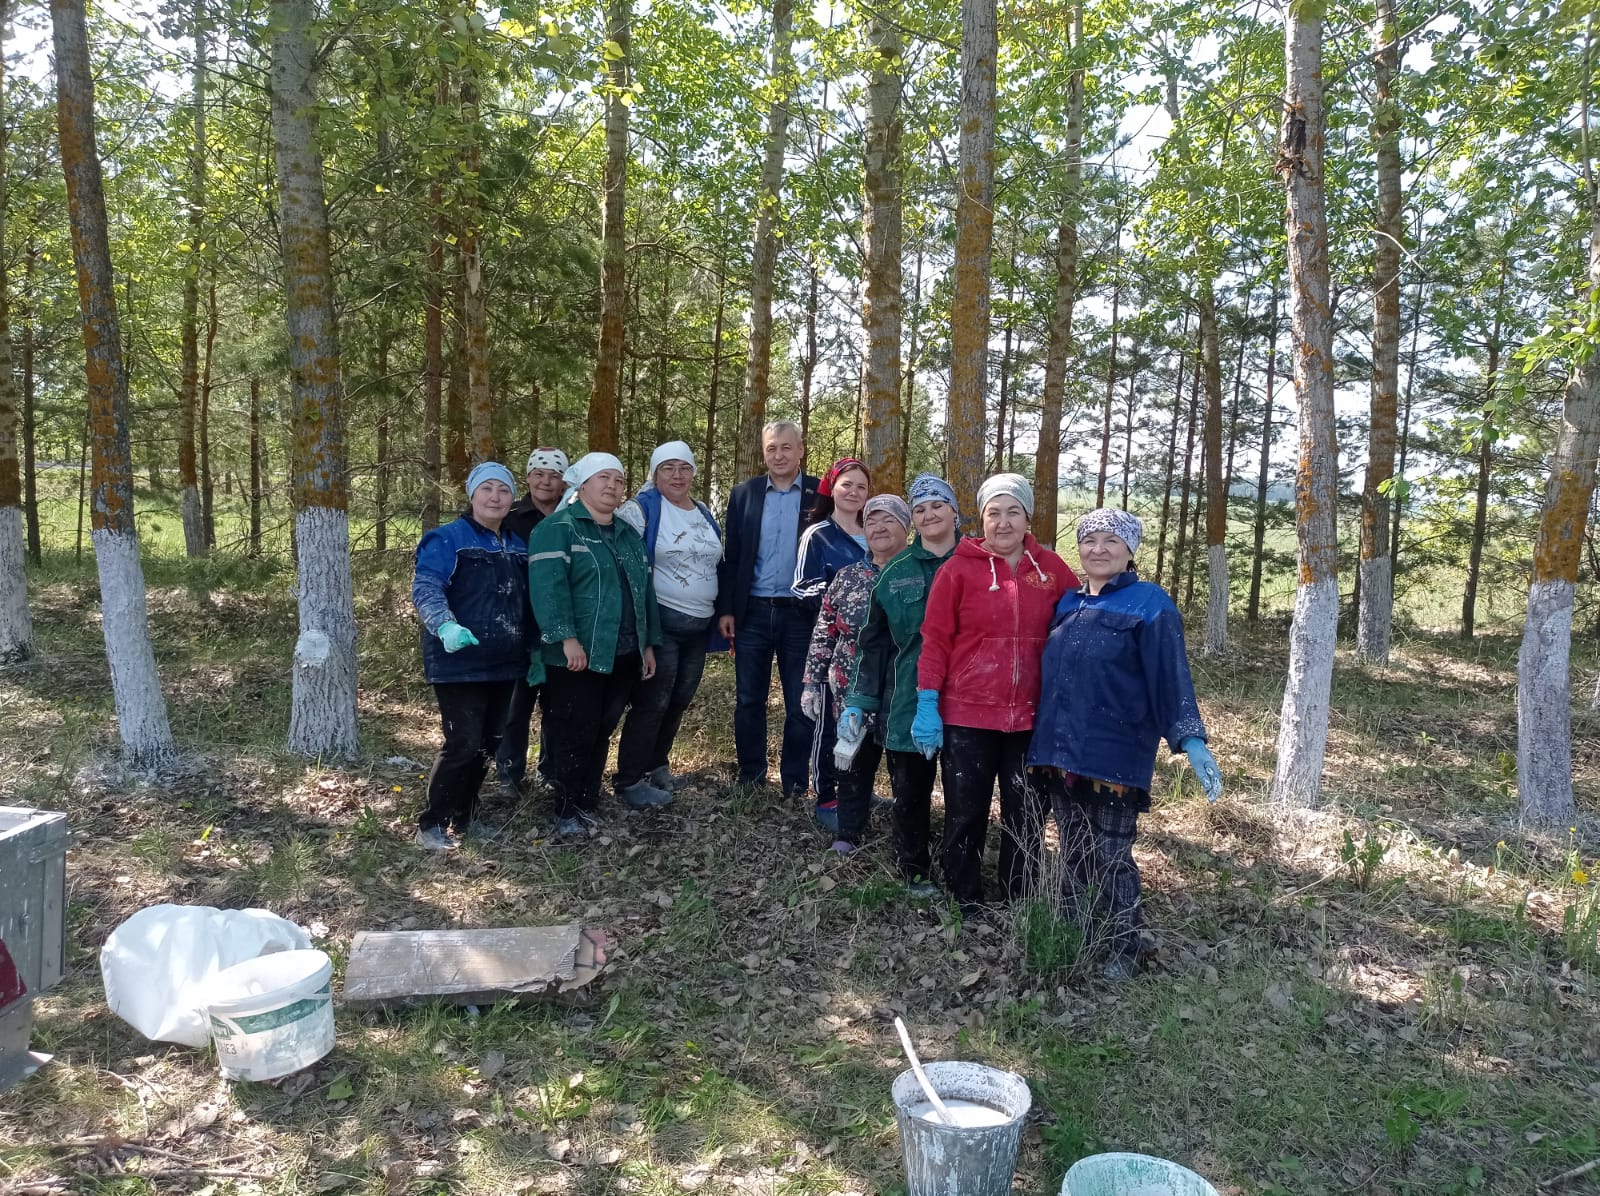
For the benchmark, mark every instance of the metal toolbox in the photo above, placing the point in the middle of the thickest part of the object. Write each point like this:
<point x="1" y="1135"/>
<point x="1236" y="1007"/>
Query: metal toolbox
<point x="33" y="939"/>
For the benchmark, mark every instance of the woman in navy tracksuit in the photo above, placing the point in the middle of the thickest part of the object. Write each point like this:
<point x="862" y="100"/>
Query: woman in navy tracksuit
<point x="471" y="592"/>
<point x="834" y="537"/>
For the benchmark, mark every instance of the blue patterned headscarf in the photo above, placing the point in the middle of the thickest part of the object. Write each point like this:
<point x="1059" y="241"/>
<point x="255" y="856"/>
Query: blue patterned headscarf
<point x="1120" y="524"/>
<point x="930" y="487"/>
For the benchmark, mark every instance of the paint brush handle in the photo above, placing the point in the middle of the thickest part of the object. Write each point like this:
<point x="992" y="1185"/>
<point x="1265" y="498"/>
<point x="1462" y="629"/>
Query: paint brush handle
<point x="922" y="1076"/>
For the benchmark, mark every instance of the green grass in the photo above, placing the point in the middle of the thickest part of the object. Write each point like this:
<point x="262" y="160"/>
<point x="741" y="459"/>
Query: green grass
<point x="1326" y="1017"/>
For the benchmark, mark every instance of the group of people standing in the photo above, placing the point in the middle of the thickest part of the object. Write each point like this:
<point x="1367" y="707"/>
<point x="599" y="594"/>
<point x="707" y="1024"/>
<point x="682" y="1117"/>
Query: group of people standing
<point x="984" y="658"/>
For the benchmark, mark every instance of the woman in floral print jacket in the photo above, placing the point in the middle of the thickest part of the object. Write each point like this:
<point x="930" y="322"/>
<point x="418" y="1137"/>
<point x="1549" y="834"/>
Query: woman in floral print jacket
<point x="831" y="658"/>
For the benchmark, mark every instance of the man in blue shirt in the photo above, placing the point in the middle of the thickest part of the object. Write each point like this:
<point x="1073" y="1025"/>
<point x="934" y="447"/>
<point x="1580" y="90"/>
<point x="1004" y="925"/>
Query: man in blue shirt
<point x="758" y="612"/>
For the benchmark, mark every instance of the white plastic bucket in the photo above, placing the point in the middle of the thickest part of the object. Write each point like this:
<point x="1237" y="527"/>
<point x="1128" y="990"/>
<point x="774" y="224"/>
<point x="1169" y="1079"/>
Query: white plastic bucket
<point x="272" y="1015"/>
<point x="1124" y="1174"/>
<point x="977" y="1156"/>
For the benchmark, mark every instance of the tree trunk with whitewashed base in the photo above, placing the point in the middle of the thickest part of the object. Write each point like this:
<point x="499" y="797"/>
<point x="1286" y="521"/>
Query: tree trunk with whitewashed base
<point x="1374" y="624"/>
<point x="141" y="711"/>
<point x="966" y="415"/>
<point x="1544" y="689"/>
<point x="1218" y="591"/>
<point x="1303" y="723"/>
<point x="16" y="626"/>
<point x="764" y="253"/>
<point x="322" y="720"/>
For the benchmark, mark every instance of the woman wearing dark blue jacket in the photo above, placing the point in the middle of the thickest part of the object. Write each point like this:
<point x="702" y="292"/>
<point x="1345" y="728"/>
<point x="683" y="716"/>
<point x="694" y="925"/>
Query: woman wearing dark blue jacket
<point x="471" y="592"/>
<point x="1115" y="682"/>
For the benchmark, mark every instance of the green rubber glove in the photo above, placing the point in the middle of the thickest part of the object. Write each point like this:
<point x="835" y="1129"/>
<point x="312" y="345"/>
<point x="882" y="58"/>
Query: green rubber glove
<point x="455" y="637"/>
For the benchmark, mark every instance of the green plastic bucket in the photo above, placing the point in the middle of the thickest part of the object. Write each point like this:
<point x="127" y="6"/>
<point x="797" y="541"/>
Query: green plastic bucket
<point x="1124" y="1174"/>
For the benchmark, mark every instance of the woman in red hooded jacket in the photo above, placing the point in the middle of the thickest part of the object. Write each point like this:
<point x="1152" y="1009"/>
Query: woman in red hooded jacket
<point x="989" y="612"/>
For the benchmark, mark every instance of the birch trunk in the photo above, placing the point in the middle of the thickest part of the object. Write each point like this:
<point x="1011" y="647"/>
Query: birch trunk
<point x="881" y="227"/>
<point x="1303" y="722"/>
<point x="16" y="625"/>
<point x="1544" y="693"/>
<point x="966" y="413"/>
<point x="322" y="720"/>
<point x="194" y="532"/>
<point x="605" y="395"/>
<point x="764" y="253"/>
<point x="141" y="711"/>
<point x="1375" y="622"/>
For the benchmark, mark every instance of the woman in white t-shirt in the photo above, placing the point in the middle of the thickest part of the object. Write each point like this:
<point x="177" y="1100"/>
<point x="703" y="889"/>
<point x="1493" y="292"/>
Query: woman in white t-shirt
<point x="684" y="545"/>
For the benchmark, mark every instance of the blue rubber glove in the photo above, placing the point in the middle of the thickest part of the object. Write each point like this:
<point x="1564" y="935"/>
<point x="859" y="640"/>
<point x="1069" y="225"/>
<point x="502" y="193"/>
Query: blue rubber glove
<point x="927" y="728"/>
<point x="852" y="724"/>
<point x="1204" y="765"/>
<point x="455" y="637"/>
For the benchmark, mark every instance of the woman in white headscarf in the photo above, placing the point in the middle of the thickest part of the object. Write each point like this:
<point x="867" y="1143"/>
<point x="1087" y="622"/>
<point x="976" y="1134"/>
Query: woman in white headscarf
<point x="598" y="623"/>
<point x="684" y="546"/>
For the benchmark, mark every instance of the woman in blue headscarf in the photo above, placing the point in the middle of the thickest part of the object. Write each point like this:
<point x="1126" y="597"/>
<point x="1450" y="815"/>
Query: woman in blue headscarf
<point x="1115" y="682"/>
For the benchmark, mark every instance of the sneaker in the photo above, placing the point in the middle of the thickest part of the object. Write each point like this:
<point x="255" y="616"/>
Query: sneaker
<point x="840" y="847"/>
<point x="480" y="832"/>
<point x="510" y="788"/>
<point x="662" y="778"/>
<point x="436" y="838"/>
<point x="641" y="795"/>
<point x="572" y="827"/>
<point x="827" y="815"/>
<point x="921" y="889"/>
<point x="1120" y="968"/>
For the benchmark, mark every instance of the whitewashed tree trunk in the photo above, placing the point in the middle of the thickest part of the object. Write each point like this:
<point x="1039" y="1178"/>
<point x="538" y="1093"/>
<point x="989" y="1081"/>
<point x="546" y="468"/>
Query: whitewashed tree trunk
<point x="141" y="713"/>
<point x="322" y="721"/>
<point x="1217" y="600"/>
<point x="141" y="710"/>
<point x="1544" y="691"/>
<point x="1303" y="726"/>
<point x="16" y="626"/>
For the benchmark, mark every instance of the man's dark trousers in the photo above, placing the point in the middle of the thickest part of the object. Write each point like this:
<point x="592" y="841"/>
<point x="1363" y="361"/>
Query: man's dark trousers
<point x="771" y="628"/>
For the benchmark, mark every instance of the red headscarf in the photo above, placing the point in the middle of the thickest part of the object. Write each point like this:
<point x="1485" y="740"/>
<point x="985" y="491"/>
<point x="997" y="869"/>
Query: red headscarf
<point x="841" y="466"/>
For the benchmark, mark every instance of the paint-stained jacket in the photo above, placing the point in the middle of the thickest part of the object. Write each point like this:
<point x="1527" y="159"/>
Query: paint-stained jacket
<point x="831" y="658"/>
<point x="572" y="571"/>
<point x="825" y="549"/>
<point x="469" y="575"/>
<point x="890" y="644"/>
<point x="984" y="632"/>
<point x="1115" y="683"/>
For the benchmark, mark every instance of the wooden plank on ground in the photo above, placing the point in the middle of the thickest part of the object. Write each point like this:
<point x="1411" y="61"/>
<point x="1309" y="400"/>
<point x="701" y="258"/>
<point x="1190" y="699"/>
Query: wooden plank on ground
<point x="470" y="967"/>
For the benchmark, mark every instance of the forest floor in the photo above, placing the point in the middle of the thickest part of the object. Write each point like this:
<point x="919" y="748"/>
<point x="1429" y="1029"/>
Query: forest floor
<point x="1396" y="993"/>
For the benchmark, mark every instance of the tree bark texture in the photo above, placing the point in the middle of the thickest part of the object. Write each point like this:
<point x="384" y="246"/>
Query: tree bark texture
<point x="1264" y="477"/>
<point x="194" y="526"/>
<point x="30" y="457"/>
<point x="967" y="411"/>
<point x="255" y="467"/>
<point x="136" y="688"/>
<point x="881" y="227"/>
<point x="1544" y="690"/>
<point x="1303" y="722"/>
<point x="605" y="395"/>
<point x="322" y="720"/>
<point x="764" y="252"/>
<point x="1111" y="375"/>
<point x="1218" y="591"/>
<point x="1375" y="622"/>
<point x="433" y="346"/>
<point x="207" y="355"/>
<point x="475" y="314"/>
<point x="1480" y="504"/>
<point x="714" y="400"/>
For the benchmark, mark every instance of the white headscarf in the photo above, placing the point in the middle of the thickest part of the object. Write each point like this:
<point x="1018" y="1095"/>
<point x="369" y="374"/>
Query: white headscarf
<point x="672" y="450"/>
<point x="584" y="468"/>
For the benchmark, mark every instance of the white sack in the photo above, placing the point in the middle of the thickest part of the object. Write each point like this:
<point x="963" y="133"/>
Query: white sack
<point x="158" y="965"/>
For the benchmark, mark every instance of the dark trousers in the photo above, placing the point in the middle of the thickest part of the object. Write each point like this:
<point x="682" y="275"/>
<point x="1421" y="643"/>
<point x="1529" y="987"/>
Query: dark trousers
<point x="472" y="714"/>
<point x="973" y="759"/>
<point x="771" y="629"/>
<point x="581" y="712"/>
<point x="1099" y="878"/>
<point x="855" y="790"/>
<point x="824" y="734"/>
<point x="659" y="703"/>
<point x="911" y="778"/>
<point x="511" y="761"/>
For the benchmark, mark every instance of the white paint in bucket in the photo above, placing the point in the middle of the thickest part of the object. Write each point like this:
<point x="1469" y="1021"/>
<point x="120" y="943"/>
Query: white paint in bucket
<point x="967" y="1114"/>
<point x="1123" y="1173"/>
<point x="961" y="1160"/>
<point x="272" y="1015"/>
